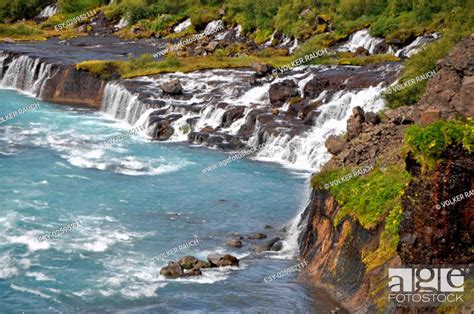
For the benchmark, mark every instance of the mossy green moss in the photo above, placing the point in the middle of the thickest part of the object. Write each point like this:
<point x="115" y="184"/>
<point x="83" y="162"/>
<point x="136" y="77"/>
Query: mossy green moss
<point x="367" y="197"/>
<point x="430" y="142"/>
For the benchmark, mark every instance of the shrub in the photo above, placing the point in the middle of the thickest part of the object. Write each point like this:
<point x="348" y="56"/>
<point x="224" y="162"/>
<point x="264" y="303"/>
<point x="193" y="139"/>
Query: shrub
<point x="368" y="197"/>
<point x="429" y="143"/>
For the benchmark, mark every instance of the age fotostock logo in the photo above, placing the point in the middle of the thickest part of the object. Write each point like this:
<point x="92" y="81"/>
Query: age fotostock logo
<point x="426" y="286"/>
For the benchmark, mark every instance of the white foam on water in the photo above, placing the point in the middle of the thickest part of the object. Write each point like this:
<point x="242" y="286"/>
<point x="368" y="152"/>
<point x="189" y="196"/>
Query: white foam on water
<point x="307" y="151"/>
<point x="30" y="239"/>
<point x="33" y="291"/>
<point x="363" y="39"/>
<point x="7" y="267"/>
<point x="39" y="276"/>
<point x="182" y="26"/>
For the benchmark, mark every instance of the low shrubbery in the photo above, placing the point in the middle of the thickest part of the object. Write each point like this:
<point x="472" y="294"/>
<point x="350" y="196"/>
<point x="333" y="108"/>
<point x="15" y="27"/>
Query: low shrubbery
<point x="366" y="198"/>
<point x="429" y="143"/>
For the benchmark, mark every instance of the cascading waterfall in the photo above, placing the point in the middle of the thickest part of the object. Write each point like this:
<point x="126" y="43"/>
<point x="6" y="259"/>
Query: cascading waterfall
<point x="361" y="38"/>
<point x="26" y="74"/>
<point x="49" y="11"/>
<point x="121" y="104"/>
<point x="307" y="151"/>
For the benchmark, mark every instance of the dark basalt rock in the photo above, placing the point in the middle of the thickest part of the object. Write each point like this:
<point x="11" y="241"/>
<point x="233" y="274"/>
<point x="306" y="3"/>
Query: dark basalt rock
<point x="261" y="69"/>
<point x="430" y="233"/>
<point x="279" y="93"/>
<point x="266" y="246"/>
<point x="232" y="115"/>
<point x="172" y="87"/>
<point x="188" y="262"/>
<point x="257" y="236"/>
<point x="173" y="270"/>
<point x="163" y="130"/>
<point x="221" y="260"/>
<point x="234" y="243"/>
<point x="372" y="118"/>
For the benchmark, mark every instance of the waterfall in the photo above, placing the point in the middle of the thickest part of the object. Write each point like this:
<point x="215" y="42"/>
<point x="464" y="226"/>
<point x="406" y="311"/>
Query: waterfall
<point x="416" y="45"/>
<point x="182" y="26"/>
<point x="121" y="104"/>
<point x="361" y="38"/>
<point x="50" y="10"/>
<point x="307" y="151"/>
<point x="26" y="74"/>
<point x="122" y="23"/>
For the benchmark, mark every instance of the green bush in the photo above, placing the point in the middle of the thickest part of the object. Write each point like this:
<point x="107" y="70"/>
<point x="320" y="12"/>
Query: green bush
<point x="429" y="143"/>
<point x="13" y="10"/>
<point x="79" y="6"/>
<point x="367" y="197"/>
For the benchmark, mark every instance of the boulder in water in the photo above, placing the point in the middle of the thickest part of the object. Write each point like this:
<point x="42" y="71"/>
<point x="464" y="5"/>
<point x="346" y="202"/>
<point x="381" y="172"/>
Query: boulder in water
<point x="221" y="260"/>
<point x="163" y="130"/>
<point x="266" y="246"/>
<point x="173" y="270"/>
<point x="188" y="262"/>
<point x="261" y="69"/>
<point x="280" y="92"/>
<point x="234" y="243"/>
<point x="172" y="87"/>
<point x="257" y="236"/>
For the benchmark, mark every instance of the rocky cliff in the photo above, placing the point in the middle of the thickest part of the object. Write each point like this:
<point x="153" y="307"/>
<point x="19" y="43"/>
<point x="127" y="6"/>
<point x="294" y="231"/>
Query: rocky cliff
<point x="351" y="260"/>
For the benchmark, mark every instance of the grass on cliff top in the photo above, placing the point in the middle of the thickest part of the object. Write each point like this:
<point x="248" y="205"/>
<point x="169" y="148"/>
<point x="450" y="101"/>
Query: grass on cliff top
<point x="146" y="65"/>
<point x="21" y="31"/>
<point x="430" y="142"/>
<point x="367" y="197"/>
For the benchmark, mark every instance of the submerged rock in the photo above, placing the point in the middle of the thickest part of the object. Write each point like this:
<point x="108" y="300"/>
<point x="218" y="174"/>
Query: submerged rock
<point x="221" y="260"/>
<point x="257" y="236"/>
<point x="234" y="243"/>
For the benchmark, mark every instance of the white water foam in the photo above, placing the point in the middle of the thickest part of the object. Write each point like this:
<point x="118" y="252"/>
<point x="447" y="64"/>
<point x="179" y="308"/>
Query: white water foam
<point x="363" y="39"/>
<point x="182" y="26"/>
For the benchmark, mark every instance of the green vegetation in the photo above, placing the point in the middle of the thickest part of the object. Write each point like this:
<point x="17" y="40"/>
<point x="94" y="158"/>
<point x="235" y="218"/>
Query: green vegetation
<point x="368" y="197"/>
<point x="18" y="30"/>
<point x="456" y="25"/>
<point x="145" y="65"/>
<point x="429" y="143"/>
